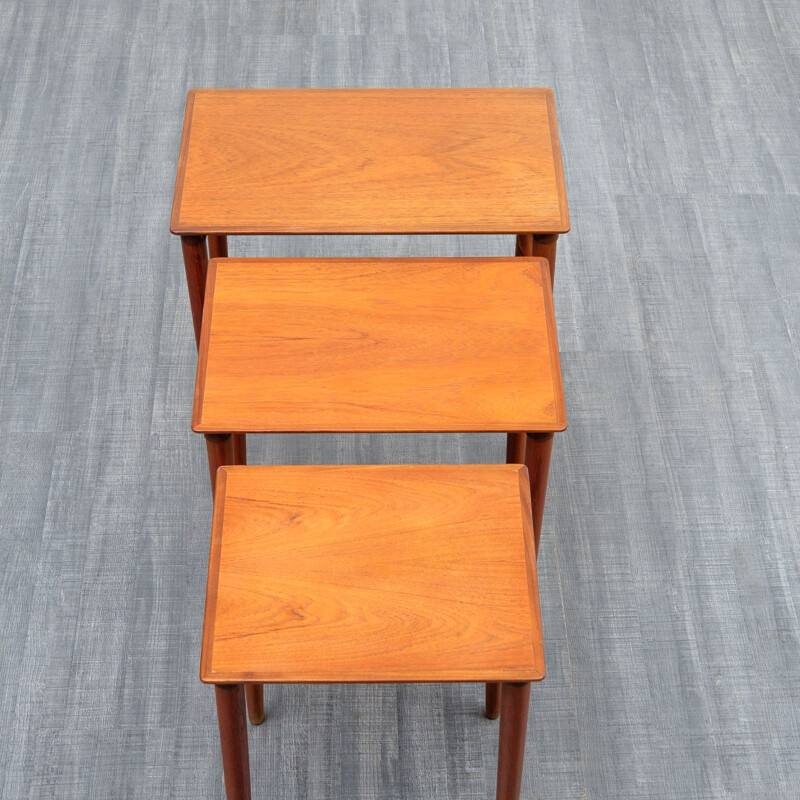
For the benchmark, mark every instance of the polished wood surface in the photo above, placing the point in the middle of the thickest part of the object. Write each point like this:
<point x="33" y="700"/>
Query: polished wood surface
<point x="378" y="345"/>
<point x="372" y="574"/>
<point x="370" y="161"/>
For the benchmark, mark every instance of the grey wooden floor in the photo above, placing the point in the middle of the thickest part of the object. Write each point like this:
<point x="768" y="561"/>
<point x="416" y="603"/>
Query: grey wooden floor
<point x="669" y="569"/>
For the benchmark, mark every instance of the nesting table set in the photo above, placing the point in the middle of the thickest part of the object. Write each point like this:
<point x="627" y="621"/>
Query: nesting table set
<point x="373" y="574"/>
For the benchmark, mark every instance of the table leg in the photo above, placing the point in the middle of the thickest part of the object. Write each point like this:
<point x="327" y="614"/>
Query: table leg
<point x="544" y="246"/>
<point x="537" y="460"/>
<point x="220" y="454"/>
<point x="493" y="695"/>
<point x="515" y="454"/>
<point x="513" y="729"/>
<point x="195" y="260"/>
<point x="540" y="245"/>
<point x="515" y="448"/>
<point x="217" y="246"/>
<point x="233" y="738"/>
<point x="239" y="448"/>
<point x="255" y="702"/>
<point x="515" y="443"/>
<point x="524" y="245"/>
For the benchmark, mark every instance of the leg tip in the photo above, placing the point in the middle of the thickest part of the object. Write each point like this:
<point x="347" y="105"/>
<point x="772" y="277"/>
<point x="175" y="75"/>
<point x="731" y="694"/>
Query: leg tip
<point x="256" y="719"/>
<point x="493" y="695"/>
<point x="255" y="703"/>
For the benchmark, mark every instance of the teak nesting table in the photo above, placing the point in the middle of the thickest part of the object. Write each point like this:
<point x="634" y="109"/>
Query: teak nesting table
<point x="379" y="574"/>
<point x="372" y="574"/>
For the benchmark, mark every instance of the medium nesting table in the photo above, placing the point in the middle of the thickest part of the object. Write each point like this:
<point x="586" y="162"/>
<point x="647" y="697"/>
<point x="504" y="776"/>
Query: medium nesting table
<point x="367" y="161"/>
<point x="380" y="345"/>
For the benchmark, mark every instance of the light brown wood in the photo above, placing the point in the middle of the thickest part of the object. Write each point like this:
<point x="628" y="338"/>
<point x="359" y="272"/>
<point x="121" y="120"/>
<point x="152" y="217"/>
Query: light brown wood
<point x="370" y="161"/>
<point x="372" y="574"/>
<point x="378" y="345"/>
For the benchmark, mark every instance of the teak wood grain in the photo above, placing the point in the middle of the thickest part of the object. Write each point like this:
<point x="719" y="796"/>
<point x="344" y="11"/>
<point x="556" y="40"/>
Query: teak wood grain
<point x="370" y="161"/>
<point x="372" y="574"/>
<point x="346" y="345"/>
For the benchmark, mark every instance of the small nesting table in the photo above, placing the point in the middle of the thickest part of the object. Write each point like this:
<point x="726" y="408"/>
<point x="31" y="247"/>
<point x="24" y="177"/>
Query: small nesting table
<point x="380" y="574"/>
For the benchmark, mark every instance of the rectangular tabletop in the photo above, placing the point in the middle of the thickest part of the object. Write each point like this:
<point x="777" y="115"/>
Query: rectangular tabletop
<point x="374" y="161"/>
<point x="372" y="574"/>
<point x="360" y="344"/>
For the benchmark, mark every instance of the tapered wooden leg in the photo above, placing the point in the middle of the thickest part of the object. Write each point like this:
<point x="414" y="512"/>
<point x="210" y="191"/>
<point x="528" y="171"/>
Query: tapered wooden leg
<point x="515" y="448"/>
<point x="493" y="693"/>
<point x="233" y="738"/>
<point x="513" y="728"/>
<point x="220" y="454"/>
<point x="537" y="460"/>
<point x="239" y="448"/>
<point x="524" y="244"/>
<point x="195" y="260"/>
<point x="255" y="702"/>
<point x="240" y="457"/>
<point x="515" y="454"/>
<point x="223" y="450"/>
<point x="217" y="246"/>
<point x="539" y="245"/>
<point x="544" y="246"/>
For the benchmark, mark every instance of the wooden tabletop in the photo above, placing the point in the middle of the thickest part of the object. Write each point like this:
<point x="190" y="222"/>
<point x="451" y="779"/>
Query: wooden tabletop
<point x="348" y="345"/>
<point x="372" y="574"/>
<point x="370" y="161"/>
